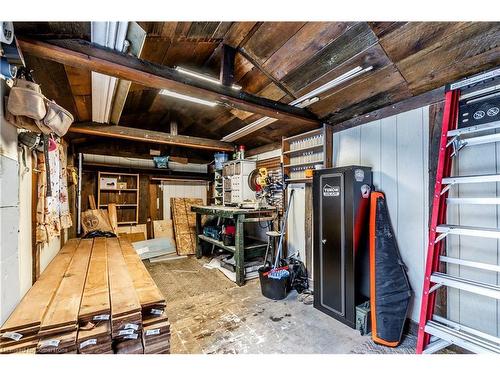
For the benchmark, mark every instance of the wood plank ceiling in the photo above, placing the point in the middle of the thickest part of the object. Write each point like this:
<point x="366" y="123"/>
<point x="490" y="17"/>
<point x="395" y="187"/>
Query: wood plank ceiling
<point x="279" y="61"/>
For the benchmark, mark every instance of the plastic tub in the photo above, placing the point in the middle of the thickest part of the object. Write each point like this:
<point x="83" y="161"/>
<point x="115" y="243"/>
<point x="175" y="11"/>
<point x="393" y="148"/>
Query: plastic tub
<point x="275" y="289"/>
<point x="220" y="158"/>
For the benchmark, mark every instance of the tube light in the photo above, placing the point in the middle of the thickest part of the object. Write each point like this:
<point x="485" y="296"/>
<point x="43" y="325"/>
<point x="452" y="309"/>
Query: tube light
<point x="188" y="98"/>
<point x="302" y="102"/>
<point x="203" y="77"/>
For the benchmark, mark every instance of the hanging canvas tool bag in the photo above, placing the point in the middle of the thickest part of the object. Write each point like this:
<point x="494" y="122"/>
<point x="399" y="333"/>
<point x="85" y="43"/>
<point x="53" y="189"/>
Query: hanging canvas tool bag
<point x="57" y="118"/>
<point x="29" y="109"/>
<point x="26" y="99"/>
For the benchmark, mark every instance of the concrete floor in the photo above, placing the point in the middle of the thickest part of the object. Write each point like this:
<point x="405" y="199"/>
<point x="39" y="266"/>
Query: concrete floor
<point x="210" y="314"/>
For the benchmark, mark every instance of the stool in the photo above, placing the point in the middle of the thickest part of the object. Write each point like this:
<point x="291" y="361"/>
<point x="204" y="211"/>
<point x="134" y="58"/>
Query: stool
<point x="272" y="235"/>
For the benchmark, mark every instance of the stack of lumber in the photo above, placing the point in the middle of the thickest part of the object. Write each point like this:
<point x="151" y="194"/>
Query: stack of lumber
<point x="155" y="322"/>
<point x="95" y="297"/>
<point x="184" y="224"/>
<point x="59" y="326"/>
<point x="20" y="332"/>
<point x="126" y="318"/>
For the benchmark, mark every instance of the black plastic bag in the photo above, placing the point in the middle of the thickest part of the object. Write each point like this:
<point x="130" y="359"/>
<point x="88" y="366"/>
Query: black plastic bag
<point x="298" y="274"/>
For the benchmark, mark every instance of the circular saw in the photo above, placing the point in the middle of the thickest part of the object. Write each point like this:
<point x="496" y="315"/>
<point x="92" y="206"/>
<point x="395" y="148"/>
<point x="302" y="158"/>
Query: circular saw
<point x="258" y="179"/>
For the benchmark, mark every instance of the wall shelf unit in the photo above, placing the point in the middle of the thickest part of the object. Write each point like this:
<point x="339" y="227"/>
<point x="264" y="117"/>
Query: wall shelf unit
<point x="305" y="151"/>
<point x="122" y="189"/>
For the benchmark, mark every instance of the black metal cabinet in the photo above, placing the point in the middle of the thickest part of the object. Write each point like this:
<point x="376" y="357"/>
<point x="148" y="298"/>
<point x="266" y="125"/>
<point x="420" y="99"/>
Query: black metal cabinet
<point x="341" y="200"/>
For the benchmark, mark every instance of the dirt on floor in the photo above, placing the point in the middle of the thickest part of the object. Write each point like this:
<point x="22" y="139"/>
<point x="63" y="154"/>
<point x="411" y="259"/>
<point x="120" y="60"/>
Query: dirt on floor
<point x="211" y="314"/>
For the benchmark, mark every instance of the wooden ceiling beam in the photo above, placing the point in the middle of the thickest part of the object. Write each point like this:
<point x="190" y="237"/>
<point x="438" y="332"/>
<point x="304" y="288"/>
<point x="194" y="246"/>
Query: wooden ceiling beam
<point x="227" y="65"/>
<point x="149" y="136"/>
<point x="82" y="54"/>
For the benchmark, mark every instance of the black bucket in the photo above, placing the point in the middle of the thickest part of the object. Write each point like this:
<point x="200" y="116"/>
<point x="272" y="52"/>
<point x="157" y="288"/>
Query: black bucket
<point x="275" y="289"/>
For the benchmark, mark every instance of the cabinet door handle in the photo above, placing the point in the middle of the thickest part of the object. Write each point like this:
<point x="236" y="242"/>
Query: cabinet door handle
<point x="323" y="241"/>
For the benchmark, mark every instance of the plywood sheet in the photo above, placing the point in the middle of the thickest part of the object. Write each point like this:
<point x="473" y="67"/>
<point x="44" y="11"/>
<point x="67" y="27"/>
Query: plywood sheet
<point x="163" y="228"/>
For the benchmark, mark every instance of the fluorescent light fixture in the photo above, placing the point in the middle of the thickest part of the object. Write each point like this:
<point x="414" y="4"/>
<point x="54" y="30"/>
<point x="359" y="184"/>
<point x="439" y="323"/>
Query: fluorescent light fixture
<point x="188" y="98"/>
<point x="302" y="102"/>
<point x="203" y="77"/>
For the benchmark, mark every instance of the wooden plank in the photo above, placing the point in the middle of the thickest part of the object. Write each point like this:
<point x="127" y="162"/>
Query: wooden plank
<point x="363" y="88"/>
<point x="310" y="39"/>
<point x="269" y="37"/>
<point x="421" y="100"/>
<point x="123" y="297"/>
<point x="356" y="39"/>
<point x="149" y="136"/>
<point x="29" y="312"/>
<point x="183" y="239"/>
<point x="113" y="219"/>
<point x="148" y="293"/>
<point x="63" y="310"/>
<point x="469" y="51"/>
<point x="95" y="298"/>
<point x="80" y="53"/>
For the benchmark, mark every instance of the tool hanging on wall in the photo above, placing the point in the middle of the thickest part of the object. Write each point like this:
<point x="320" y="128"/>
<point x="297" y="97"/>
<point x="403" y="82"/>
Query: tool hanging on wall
<point x="464" y="94"/>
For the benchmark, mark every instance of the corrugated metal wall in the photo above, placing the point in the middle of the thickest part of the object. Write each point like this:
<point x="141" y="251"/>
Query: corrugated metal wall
<point x="475" y="311"/>
<point x="173" y="189"/>
<point x="397" y="150"/>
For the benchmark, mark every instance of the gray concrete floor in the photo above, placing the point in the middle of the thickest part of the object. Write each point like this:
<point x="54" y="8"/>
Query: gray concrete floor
<point x="210" y="314"/>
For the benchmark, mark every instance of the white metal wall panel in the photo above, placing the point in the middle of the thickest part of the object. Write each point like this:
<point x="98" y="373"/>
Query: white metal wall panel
<point x="397" y="150"/>
<point x="296" y="219"/>
<point x="172" y="189"/>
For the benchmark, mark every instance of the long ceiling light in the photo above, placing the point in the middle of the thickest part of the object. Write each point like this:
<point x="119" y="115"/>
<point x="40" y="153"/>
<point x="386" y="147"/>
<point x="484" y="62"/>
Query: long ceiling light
<point x="203" y="77"/>
<point x="302" y="102"/>
<point x="186" y="97"/>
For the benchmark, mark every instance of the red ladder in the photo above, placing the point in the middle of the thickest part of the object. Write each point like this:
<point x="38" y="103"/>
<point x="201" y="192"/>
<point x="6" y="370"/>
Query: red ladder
<point x="445" y="332"/>
<point x="450" y="121"/>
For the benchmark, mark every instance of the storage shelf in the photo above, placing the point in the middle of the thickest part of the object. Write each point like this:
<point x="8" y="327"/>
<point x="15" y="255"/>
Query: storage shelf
<point x="291" y="152"/>
<point x="127" y="222"/>
<point x="255" y="244"/>
<point x="131" y="189"/>
<point x="120" y="205"/>
<point x="299" y="180"/>
<point x="301" y="164"/>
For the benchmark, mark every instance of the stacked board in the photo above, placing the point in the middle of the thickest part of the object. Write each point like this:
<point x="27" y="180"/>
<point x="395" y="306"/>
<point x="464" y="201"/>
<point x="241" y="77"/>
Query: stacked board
<point x="95" y="297"/>
<point x="20" y="332"/>
<point x="60" y="322"/>
<point x="184" y="224"/>
<point x="156" y="328"/>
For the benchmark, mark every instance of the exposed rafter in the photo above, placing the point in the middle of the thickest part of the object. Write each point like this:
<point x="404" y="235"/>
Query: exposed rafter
<point x="149" y="136"/>
<point x="82" y="54"/>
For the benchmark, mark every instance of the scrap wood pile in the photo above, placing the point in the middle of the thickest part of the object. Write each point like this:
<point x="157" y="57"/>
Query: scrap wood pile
<point x="95" y="297"/>
<point x="184" y="224"/>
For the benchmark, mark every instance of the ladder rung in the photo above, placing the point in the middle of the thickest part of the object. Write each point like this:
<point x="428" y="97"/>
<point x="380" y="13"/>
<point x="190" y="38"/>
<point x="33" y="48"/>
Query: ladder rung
<point x="436" y="346"/>
<point x="468" y="231"/>
<point x="463" y="328"/>
<point x="468" y="263"/>
<point x="481" y="140"/>
<point x="474" y="129"/>
<point x="484" y="289"/>
<point x="471" y="179"/>
<point x="492" y="200"/>
<point x="463" y="336"/>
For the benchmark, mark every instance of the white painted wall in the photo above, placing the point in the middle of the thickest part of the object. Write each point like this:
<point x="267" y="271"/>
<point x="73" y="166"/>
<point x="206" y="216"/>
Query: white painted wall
<point x="397" y="150"/>
<point x="15" y="221"/>
<point x="174" y="189"/>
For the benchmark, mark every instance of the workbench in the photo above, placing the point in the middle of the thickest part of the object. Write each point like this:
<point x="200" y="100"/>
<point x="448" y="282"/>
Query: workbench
<point x="240" y="217"/>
